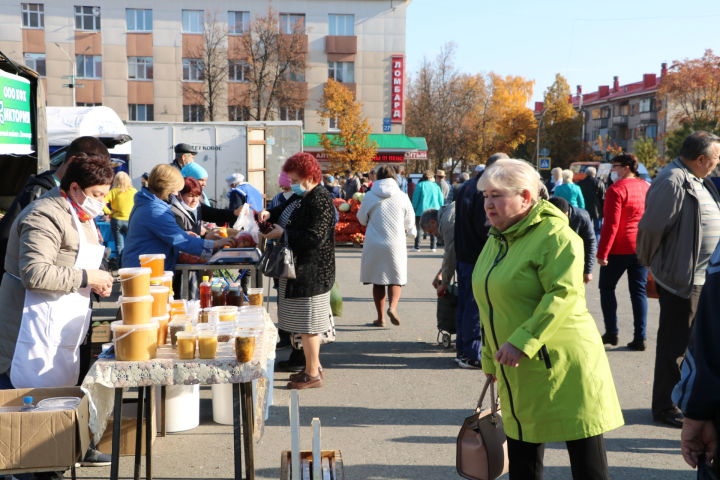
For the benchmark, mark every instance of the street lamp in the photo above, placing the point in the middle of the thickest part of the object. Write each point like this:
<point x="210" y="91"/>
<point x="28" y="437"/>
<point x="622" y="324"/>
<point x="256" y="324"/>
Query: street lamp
<point x="72" y="85"/>
<point x="537" y="140"/>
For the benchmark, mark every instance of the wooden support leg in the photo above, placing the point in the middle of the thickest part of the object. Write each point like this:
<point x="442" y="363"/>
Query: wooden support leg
<point x="138" y="433"/>
<point x="248" y="427"/>
<point x="237" y="428"/>
<point x="117" y="418"/>
<point x="148" y="432"/>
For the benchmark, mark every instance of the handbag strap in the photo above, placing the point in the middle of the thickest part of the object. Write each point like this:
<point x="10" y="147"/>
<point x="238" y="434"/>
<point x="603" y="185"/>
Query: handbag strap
<point x="494" y="403"/>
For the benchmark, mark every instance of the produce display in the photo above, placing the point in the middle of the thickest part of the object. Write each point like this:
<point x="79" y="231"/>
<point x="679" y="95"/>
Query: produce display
<point x="348" y="228"/>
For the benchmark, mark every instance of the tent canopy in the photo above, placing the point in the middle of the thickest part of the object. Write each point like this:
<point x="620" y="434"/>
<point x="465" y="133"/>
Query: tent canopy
<point x="64" y="124"/>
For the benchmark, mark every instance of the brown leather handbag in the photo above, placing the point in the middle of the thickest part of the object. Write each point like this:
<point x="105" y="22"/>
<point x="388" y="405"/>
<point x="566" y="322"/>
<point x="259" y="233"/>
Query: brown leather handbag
<point x="481" y="443"/>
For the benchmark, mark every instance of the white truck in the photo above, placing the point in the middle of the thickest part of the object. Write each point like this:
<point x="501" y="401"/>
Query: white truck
<point x="255" y="149"/>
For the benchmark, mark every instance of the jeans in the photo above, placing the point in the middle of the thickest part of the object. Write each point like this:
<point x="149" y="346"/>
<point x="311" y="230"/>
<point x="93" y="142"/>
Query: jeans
<point x="433" y="239"/>
<point x="5" y="383"/>
<point x="637" y="281"/>
<point x="676" y="318"/>
<point x="467" y="316"/>
<point x="597" y="225"/>
<point x="588" y="459"/>
<point x="119" y="229"/>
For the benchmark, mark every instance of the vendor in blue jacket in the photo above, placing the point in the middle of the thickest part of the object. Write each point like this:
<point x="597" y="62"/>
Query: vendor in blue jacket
<point x="241" y="192"/>
<point x="153" y="228"/>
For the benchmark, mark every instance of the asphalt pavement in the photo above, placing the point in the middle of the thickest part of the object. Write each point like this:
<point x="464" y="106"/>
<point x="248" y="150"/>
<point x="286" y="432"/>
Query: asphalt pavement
<point x="394" y="400"/>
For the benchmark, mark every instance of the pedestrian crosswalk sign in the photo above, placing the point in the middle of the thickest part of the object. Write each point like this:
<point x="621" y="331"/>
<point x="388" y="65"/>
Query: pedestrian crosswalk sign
<point x="544" y="163"/>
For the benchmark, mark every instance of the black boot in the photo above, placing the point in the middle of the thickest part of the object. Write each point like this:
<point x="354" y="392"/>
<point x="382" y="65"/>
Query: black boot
<point x="295" y="363"/>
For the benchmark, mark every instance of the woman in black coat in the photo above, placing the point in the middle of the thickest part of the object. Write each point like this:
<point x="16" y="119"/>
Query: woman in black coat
<point x="304" y="302"/>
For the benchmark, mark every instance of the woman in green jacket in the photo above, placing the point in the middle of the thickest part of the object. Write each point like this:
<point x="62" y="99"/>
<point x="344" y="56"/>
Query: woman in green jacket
<point x="540" y="342"/>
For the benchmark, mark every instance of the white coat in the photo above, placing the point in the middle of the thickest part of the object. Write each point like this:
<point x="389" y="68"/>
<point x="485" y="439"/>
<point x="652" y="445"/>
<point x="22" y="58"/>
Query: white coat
<point x="389" y="216"/>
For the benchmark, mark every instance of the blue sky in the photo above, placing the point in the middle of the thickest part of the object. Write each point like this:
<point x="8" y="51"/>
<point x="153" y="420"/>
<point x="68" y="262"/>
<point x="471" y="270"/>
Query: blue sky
<point x="588" y="42"/>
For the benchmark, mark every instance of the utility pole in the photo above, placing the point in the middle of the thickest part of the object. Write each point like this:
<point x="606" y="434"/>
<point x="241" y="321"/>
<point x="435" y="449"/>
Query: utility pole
<point x="537" y="140"/>
<point x="73" y="84"/>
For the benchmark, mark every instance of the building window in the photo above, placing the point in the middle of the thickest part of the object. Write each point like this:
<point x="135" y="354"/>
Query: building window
<point x="139" y="19"/>
<point x="192" y="21"/>
<point x="36" y="61"/>
<point x="140" y="68"/>
<point x="342" y="71"/>
<point x="238" y="113"/>
<point x="87" y="104"/>
<point x="141" y="112"/>
<point x="89" y="66"/>
<point x="647" y="105"/>
<point x="87" y="18"/>
<point x="238" y="23"/>
<point x="193" y="70"/>
<point x="294" y="76"/>
<point x="290" y="113"/>
<point x="292" y="23"/>
<point x="341" y="25"/>
<point x="333" y="123"/>
<point x="33" y="15"/>
<point x="651" y="131"/>
<point x="193" y="113"/>
<point x="238" y="71"/>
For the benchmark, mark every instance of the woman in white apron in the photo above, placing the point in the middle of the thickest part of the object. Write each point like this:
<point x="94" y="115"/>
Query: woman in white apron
<point x="53" y="263"/>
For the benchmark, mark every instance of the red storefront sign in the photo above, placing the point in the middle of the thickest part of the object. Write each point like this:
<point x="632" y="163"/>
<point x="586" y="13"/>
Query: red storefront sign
<point x="382" y="157"/>
<point x="397" y="88"/>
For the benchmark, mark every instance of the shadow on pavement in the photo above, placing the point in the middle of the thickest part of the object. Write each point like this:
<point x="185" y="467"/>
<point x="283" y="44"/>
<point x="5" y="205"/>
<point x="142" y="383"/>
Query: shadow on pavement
<point x="339" y="416"/>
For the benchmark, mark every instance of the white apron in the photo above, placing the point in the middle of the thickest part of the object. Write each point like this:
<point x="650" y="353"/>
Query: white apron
<point x="53" y="327"/>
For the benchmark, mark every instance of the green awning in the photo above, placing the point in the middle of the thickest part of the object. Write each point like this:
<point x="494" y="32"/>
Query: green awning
<point x="387" y="142"/>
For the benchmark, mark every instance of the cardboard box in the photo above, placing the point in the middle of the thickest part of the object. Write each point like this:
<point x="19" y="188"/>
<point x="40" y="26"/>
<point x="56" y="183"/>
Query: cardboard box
<point x="101" y="333"/>
<point x="128" y="430"/>
<point x="39" y="441"/>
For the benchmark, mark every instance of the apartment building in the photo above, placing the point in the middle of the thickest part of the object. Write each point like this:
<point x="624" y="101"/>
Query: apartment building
<point x="138" y="57"/>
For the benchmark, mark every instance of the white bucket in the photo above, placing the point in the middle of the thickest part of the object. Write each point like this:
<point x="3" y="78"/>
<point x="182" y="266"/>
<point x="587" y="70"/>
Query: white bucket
<point x="222" y="403"/>
<point x="182" y="407"/>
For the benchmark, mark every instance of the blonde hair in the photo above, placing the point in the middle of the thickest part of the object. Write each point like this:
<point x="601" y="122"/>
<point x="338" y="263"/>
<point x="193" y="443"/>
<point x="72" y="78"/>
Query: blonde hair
<point x="567" y="176"/>
<point x="122" y="181"/>
<point x="511" y="174"/>
<point x="165" y="179"/>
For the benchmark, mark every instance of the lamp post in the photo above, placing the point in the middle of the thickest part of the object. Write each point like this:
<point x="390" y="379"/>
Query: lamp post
<point x="537" y="140"/>
<point x="72" y="85"/>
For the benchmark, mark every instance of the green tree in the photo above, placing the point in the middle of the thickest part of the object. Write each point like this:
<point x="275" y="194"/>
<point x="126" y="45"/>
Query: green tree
<point x="646" y="151"/>
<point x="675" y="139"/>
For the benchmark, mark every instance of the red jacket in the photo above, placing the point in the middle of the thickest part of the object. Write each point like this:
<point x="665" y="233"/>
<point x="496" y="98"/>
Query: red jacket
<point x="623" y="209"/>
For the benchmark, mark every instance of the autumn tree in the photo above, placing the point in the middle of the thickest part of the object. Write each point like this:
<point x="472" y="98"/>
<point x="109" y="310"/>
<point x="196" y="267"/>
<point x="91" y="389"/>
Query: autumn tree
<point x="351" y="148"/>
<point x="560" y="125"/>
<point x="646" y="151"/>
<point x="275" y="56"/>
<point x="207" y="63"/>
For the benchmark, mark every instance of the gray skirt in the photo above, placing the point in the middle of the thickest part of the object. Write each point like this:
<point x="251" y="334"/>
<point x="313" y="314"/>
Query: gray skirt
<point x="304" y="314"/>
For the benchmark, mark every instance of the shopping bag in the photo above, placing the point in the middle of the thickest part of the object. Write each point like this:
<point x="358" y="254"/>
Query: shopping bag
<point x="481" y="451"/>
<point x="246" y="223"/>
<point x="336" y="300"/>
<point x="651" y="287"/>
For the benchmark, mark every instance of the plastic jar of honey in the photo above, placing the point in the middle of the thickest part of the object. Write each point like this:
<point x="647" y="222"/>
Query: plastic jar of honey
<point x="135" y="343"/>
<point x="135" y="282"/>
<point x="207" y="344"/>
<point x="136" y="310"/>
<point x="226" y="313"/>
<point x="155" y="262"/>
<point x="162" y="329"/>
<point x="186" y="345"/>
<point x="160" y="296"/>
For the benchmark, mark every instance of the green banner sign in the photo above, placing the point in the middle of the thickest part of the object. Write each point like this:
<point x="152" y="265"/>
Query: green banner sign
<point x="15" y="124"/>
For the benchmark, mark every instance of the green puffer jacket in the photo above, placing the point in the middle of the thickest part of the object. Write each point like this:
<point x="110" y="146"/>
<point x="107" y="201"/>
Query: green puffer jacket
<point x="528" y="283"/>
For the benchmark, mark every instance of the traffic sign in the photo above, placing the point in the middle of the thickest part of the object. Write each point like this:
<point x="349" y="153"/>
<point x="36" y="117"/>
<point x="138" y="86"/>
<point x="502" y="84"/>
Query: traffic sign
<point x="544" y="152"/>
<point x="544" y="163"/>
<point x="387" y="128"/>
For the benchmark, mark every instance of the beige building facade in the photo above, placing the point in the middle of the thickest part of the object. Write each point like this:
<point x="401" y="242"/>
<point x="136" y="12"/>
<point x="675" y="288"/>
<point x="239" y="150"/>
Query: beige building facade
<point x="136" y="56"/>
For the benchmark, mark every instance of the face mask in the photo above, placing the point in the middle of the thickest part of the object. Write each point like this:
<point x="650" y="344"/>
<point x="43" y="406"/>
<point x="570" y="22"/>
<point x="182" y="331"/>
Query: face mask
<point x="614" y="176"/>
<point x="91" y="206"/>
<point x="297" y="189"/>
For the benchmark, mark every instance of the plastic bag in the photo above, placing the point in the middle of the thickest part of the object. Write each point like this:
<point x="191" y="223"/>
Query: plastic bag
<point x="336" y="301"/>
<point x="246" y="223"/>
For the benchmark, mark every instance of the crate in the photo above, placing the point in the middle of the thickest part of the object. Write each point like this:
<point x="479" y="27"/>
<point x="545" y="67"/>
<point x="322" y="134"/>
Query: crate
<point x="332" y="470"/>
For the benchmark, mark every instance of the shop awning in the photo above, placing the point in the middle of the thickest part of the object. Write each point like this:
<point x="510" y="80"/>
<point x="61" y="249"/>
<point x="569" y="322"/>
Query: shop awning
<point x="391" y="148"/>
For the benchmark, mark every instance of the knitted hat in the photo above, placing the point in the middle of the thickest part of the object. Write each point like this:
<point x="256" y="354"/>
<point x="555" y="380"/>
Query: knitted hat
<point x="194" y="170"/>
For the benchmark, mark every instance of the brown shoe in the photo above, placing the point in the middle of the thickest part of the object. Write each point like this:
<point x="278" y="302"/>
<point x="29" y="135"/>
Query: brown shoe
<point x="394" y="317"/>
<point x="305" y="381"/>
<point x="297" y="376"/>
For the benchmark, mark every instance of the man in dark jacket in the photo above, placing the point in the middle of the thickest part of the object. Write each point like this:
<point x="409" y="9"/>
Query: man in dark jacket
<point x="184" y="154"/>
<point x="593" y="190"/>
<point x="581" y="224"/>
<point x="471" y="231"/>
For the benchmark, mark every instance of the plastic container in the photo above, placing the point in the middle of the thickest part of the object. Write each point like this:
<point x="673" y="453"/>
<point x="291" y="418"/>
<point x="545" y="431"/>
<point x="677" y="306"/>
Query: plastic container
<point x="226" y="313"/>
<point x="255" y="296"/>
<point x="28" y="404"/>
<point x="244" y="346"/>
<point x="207" y="344"/>
<point x="155" y="262"/>
<point x="218" y="295"/>
<point x="177" y="326"/>
<point x="160" y="300"/>
<point x="58" y="403"/>
<point x="186" y="345"/>
<point x="205" y="293"/>
<point x="136" y="310"/>
<point x="135" y="282"/>
<point x="135" y="343"/>
<point x="234" y="295"/>
<point x="226" y="332"/>
<point x="165" y="280"/>
<point x="178" y="304"/>
<point x="182" y="407"/>
<point x="162" y="329"/>
<point x="222" y="403"/>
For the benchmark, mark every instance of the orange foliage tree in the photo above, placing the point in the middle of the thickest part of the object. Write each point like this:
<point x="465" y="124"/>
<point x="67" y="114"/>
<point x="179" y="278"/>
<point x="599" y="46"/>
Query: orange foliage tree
<point x="351" y="148"/>
<point x="561" y="127"/>
<point x="692" y="87"/>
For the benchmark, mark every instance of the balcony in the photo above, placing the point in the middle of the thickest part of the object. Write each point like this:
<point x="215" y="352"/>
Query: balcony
<point x="345" y="45"/>
<point x="647" y="117"/>
<point x="601" y="122"/>
<point x="620" y="120"/>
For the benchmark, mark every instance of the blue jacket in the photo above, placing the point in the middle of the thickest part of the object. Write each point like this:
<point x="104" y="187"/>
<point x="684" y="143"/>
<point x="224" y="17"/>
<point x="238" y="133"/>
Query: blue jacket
<point x="471" y="229"/>
<point x="698" y="391"/>
<point x="153" y="229"/>
<point x="246" y="193"/>
<point x="427" y="195"/>
<point x="570" y="192"/>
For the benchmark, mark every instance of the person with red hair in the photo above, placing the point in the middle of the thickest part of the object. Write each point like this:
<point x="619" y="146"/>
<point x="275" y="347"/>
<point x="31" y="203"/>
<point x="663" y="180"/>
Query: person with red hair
<point x="306" y="222"/>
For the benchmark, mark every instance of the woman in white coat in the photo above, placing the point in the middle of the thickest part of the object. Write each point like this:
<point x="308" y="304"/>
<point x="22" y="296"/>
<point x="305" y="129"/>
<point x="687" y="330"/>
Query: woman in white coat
<point x="389" y="216"/>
